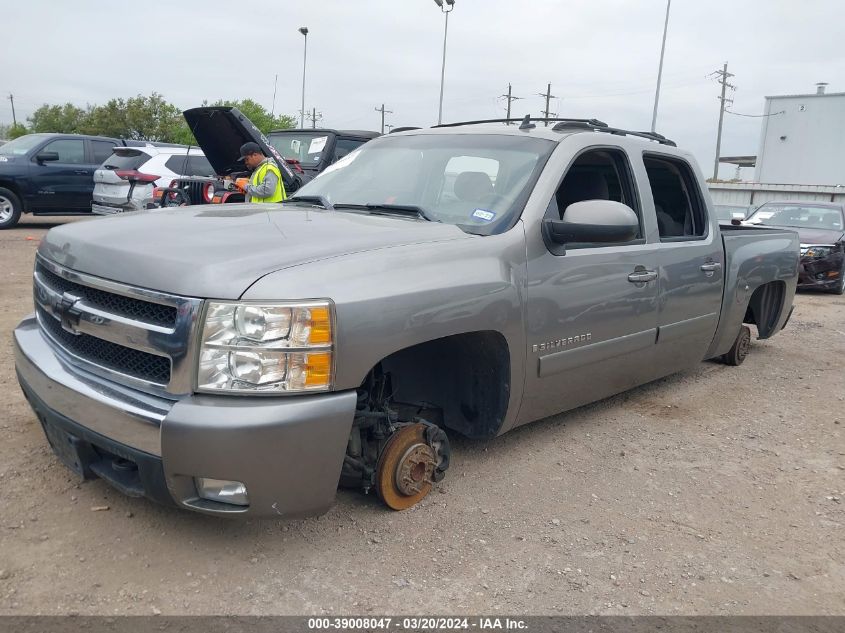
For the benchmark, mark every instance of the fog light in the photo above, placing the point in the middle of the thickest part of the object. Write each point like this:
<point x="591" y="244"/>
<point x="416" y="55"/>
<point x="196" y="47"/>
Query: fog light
<point x="222" y="491"/>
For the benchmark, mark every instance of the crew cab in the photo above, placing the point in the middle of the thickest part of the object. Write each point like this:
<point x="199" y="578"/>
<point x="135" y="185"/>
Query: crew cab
<point x="463" y="279"/>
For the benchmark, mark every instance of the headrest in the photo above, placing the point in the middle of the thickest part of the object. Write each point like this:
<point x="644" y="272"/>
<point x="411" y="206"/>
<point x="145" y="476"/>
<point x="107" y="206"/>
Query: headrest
<point x="473" y="186"/>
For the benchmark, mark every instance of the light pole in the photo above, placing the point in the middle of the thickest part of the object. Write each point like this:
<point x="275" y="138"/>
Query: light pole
<point x="446" y="6"/>
<point x="660" y="67"/>
<point x="304" y="31"/>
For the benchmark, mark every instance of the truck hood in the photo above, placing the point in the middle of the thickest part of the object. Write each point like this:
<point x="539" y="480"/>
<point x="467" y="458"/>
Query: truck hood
<point x="219" y="252"/>
<point x="817" y="236"/>
<point x="221" y="130"/>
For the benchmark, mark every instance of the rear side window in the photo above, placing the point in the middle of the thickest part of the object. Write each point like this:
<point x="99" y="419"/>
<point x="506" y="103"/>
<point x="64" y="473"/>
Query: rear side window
<point x="677" y="199"/>
<point x="189" y="166"/>
<point x="102" y="150"/>
<point x="344" y="146"/>
<point x="124" y="158"/>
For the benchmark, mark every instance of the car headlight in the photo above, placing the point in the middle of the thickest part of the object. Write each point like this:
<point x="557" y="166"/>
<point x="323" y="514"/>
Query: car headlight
<point x="816" y="251"/>
<point x="257" y="348"/>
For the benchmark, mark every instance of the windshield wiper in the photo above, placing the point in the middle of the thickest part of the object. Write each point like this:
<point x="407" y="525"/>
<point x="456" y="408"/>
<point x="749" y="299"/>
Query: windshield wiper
<point x="320" y="200"/>
<point x="406" y="210"/>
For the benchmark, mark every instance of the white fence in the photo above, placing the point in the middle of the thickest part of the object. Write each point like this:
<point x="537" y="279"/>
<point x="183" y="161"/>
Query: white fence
<point x="756" y="193"/>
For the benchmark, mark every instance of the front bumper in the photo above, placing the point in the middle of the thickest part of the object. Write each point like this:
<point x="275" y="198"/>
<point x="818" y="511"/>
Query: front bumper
<point x="287" y="450"/>
<point x="820" y="273"/>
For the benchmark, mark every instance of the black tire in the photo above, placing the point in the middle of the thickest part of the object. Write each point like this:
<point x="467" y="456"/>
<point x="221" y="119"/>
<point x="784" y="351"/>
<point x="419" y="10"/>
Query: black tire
<point x="739" y="350"/>
<point x="840" y="288"/>
<point x="10" y="209"/>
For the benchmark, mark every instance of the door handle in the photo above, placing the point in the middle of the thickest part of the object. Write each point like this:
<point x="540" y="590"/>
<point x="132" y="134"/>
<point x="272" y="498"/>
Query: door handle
<point x="710" y="267"/>
<point x="83" y="172"/>
<point x="642" y="276"/>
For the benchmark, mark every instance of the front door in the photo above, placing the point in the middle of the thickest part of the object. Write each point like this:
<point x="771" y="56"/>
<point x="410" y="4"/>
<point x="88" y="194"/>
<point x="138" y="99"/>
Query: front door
<point x="65" y="184"/>
<point x="591" y="315"/>
<point x="690" y="265"/>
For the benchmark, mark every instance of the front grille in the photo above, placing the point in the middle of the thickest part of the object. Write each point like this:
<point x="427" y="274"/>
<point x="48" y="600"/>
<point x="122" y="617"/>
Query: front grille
<point x="194" y="189"/>
<point x="115" y="357"/>
<point x="137" y="309"/>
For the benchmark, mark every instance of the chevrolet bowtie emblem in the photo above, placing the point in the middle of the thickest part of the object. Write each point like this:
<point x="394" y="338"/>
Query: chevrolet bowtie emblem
<point x="68" y="314"/>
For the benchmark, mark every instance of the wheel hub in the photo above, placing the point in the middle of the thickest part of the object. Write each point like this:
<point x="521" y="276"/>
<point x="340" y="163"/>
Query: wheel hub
<point x="415" y="469"/>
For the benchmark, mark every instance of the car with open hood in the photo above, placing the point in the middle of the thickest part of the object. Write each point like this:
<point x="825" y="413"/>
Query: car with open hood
<point x="821" y="228"/>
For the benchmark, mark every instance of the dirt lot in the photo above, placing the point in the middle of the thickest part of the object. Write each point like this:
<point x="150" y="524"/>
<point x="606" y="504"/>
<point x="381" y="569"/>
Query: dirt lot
<point x="721" y="490"/>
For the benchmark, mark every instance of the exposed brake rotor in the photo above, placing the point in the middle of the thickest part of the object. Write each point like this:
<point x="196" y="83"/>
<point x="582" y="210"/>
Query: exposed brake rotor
<point x="406" y="467"/>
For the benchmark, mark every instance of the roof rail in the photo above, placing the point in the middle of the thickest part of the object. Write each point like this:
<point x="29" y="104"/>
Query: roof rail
<point x="404" y="128"/>
<point x="525" y="119"/>
<point x="581" y="125"/>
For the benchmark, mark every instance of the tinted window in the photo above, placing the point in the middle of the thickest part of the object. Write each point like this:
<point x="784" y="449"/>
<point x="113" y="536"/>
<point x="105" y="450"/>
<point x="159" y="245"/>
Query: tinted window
<point x="677" y="200"/>
<point x="596" y="175"/>
<point x="306" y="147"/>
<point x="345" y="145"/>
<point x="102" y="150"/>
<point x="124" y="158"/>
<point x="70" y="150"/>
<point x="193" y="166"/>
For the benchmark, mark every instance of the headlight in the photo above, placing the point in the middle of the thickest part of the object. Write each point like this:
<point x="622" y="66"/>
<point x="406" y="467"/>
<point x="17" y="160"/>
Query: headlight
<point x="816" y="251"/>
<point x="250" y="347"/>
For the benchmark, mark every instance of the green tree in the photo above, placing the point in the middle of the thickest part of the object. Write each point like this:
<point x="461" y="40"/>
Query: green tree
<point x="67" y="119"/>
<point x="259" y="115"/>
<point x="16" y="130"/>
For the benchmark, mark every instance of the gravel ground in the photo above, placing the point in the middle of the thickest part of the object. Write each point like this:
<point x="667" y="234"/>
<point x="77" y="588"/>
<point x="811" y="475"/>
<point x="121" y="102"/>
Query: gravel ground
<point x="716" y="491"/>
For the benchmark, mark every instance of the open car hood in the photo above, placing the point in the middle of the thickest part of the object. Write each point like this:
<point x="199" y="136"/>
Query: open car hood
<point x="221" y="130"/>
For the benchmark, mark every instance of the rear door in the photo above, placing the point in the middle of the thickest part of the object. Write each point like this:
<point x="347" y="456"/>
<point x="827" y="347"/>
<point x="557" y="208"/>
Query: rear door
<point x="591" y="312"/>
<point x="65" y="184"/>
<point x="109" y="188"/>
<point x="690" y="263"/>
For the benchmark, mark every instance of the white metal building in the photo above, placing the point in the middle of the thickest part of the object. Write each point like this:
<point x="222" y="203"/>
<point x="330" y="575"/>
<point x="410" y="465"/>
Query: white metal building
<point x="803" y="140"/>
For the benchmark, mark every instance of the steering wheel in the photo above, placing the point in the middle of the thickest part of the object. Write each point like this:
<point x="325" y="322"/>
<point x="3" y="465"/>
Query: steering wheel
<point x="173" y="197"/>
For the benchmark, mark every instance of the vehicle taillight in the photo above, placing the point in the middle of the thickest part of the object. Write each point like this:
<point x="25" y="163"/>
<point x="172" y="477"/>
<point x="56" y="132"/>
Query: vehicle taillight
<point x="156" y="193"/>
<point x="208" y="192"/>
<point x="173" y="184"/>
<point x="135" y="175"/>
<point x="293" y="162"/>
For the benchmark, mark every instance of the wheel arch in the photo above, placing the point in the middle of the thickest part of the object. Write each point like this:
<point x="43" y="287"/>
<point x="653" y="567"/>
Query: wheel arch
<point x="765" y="308"/>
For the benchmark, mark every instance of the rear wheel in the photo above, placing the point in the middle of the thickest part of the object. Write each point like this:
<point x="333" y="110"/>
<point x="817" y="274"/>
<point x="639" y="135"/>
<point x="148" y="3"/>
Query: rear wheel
<point x="10" y="209"/>
<point x="739" y="350"/>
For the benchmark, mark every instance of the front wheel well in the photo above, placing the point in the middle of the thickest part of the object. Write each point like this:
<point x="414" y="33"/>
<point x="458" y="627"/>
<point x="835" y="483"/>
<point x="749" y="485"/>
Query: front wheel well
<point x="14" y="189"/>
<point x="765" y="308"/>
<point x="466" y="376"/>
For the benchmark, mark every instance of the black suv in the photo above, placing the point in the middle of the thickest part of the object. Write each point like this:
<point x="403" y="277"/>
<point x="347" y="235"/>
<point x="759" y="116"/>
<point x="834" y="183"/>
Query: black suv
<point x="51" y="174"/>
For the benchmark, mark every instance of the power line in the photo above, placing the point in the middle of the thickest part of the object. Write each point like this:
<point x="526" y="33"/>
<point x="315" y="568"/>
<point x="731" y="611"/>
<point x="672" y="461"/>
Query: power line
<point x="722" y="79"/>
<point x="383" y="112"/>
<point x="510" y="99"/>
<point x="756" y="116"/>
<point x="548" y="95"/>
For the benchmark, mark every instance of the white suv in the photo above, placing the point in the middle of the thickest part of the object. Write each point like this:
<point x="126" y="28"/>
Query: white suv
<point x="127" y="180"/>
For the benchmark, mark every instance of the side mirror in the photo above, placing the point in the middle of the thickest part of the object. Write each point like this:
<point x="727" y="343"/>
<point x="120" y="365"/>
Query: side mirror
<point x="591" y="221"/>
<point x="45" y="157"/>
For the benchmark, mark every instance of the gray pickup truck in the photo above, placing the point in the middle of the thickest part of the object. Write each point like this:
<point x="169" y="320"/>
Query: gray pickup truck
<point x="469" y="278"/>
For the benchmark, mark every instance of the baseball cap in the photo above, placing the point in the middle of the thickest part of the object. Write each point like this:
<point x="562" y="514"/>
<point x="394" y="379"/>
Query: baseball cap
<point x="250" y="148"/>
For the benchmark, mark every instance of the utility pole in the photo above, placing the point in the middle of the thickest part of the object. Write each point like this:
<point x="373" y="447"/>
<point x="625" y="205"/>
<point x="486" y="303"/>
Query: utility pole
<point x="660" y="67"/>
<point x="14" y="119"/>
<point x="510" y="99"/>
<point x="548" y="95"/>
<point x="723" y="80"/>
<point x="383" y="112"/>
<point x="314" y="116"/>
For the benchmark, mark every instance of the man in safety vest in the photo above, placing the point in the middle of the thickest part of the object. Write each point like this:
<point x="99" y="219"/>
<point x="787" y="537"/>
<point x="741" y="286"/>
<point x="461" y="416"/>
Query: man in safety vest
<point x="265" y="184"/>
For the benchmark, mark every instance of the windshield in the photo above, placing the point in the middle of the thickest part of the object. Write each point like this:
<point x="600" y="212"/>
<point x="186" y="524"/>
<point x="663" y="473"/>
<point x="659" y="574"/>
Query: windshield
<point x="465" y="179"/>
<point x="21" y="145"/>
<point x="729" y="212"/>
<point x="306" y="147"/>
<point x="799" y="216"/>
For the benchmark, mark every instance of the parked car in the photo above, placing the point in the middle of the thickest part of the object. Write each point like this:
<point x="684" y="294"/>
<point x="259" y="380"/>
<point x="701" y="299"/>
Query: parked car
<point x="128" y="179"/>
<point x="467" y="279"/>
<point x="728" y="212"/>
<point x="221" y="130"/>
<point x="51" y="174"/>
<point x="821" y="227"/>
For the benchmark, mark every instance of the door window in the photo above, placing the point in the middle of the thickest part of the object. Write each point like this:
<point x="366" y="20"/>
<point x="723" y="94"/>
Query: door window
<point x="189" y="166"/>
<point x="344" y="146"/>
<point x="600" y="174"/>
<point x="70" y="150"/>
<point x="677" y="200"/>
<point x="102" y="150"/>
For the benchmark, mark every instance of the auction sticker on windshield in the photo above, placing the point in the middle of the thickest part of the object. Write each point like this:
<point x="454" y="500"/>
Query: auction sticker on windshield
<point x="484" y="214"/>
<point x="317" y="144"/>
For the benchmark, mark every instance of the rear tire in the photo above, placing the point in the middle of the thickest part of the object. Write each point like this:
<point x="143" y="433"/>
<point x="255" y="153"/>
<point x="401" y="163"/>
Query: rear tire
<point x="739" y="350"/>
<point x="10" y="209"/>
